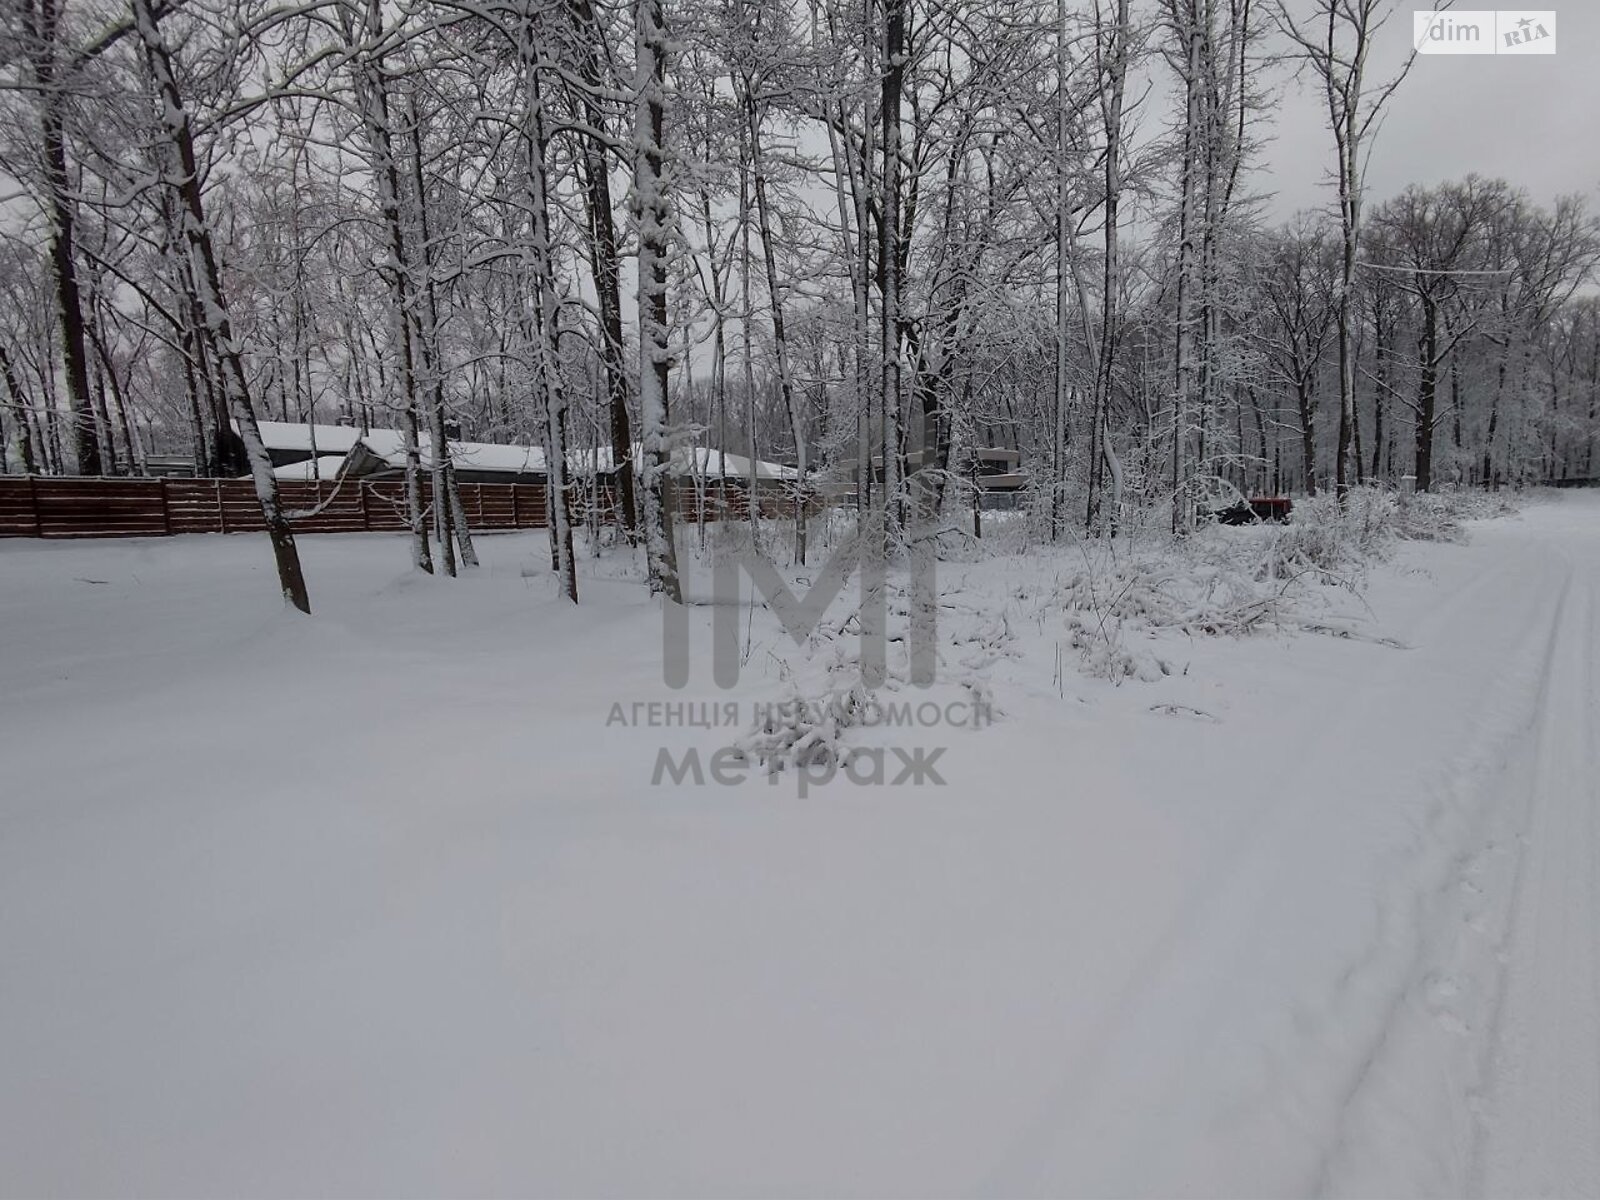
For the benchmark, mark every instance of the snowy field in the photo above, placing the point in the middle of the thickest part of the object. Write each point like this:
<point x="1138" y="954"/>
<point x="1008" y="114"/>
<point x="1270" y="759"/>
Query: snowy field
<point x="386" y="902"/>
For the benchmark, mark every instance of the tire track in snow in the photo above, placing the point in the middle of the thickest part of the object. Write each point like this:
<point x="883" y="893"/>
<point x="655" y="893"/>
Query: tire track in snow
<point x="1406" y="1123"/>
<point x="1101" y="1132"/>
<point x="1539" y="1131"/>
<point x="1485" y="1078"/>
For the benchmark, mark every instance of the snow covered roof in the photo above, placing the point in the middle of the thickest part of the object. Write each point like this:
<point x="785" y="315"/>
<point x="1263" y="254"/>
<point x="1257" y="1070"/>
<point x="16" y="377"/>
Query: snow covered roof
<point x="326" y="467"/>
<point x="296" y="435"/>
<point x="389" y="445"/>
<point x="686" y="460"/>
<point x="703" y="460"/>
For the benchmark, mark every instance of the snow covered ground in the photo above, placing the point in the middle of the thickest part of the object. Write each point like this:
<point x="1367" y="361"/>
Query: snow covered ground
<point x="386" y="902"/>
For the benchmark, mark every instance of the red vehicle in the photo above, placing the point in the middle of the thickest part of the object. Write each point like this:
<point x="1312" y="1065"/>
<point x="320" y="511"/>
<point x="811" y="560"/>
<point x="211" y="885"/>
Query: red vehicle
<point x="1271" y="508"/>
<point x="1229" y="506"/>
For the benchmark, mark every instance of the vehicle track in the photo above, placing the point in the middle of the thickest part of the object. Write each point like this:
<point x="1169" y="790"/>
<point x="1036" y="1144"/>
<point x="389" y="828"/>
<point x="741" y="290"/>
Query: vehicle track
<point x="1487" y="1072"/>
<point x="1456" y="1047"/>
<point x="1539" y="1128"/>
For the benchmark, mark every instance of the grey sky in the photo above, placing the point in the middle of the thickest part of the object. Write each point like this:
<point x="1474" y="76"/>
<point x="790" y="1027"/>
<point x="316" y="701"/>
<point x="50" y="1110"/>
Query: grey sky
<point x="1534" y="120"/>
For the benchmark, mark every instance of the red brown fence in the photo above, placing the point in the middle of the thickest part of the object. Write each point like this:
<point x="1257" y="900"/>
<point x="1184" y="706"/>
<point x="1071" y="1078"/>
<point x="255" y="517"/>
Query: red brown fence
<point x="52" y="507"/>
<point x="68" y="506"/>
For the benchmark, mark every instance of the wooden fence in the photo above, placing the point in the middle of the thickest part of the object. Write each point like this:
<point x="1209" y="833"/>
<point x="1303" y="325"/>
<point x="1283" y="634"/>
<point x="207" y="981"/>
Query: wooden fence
<point x="71" y="506"/>
<point x="66" y="507"/>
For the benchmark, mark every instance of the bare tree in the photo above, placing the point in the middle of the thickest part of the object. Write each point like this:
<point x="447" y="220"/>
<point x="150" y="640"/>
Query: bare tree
<point x="181" y="174"/>
<point x="1334" y="40"/>
<point x="655" y="349"/>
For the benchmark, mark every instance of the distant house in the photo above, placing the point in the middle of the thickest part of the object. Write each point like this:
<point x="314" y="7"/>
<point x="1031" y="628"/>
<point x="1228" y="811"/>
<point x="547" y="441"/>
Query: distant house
<point x="998" y="476"/>
<point x="324" y="466"/>
<point x="995" y="469"/>
<point x="688" y="464"/>
<point x="170" y="466"/>
<point x="300" y="451"/>
<point x="995" y="473"/>
<point x="328" y="451"/>
<point x="381" y="454"/>
<point x="290" y="442"/>
<point x="692" y="463"/>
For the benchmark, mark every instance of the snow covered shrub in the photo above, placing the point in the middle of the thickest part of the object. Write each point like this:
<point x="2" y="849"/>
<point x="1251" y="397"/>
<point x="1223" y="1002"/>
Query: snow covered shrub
<point x="1474" y="504"/>
<point x="1105" y="653"/>
<point x="1333" y="539"/>
<point x="1428" y="518"/>
<point x="1439" y="516"/>
<point x="797" y="731"/>
<point x="808" y="729"/>
<point x="1219" y="580"/>
<point x="1210" y="584"/>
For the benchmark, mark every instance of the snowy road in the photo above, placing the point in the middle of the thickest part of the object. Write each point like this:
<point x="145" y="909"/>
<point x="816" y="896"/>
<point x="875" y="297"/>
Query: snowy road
<point x="1509" y="962"/>
<point x="1540" y="1133"/>
<point x="1388" y="981"/>
<point x="270" y="924"/>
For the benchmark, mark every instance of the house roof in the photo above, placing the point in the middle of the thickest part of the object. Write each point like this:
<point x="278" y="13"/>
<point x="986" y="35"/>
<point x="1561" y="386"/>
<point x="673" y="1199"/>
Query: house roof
<point x="326" y="467"/>
<point x="296" y="435"/>
<point x="388" y="445"/>
<point x="703" y="460"/>
<point x="686" y="460"/>
<point x="335" y="441"/>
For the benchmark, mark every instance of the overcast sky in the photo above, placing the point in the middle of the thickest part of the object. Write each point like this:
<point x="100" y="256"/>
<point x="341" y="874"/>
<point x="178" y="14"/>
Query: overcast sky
<point x="1534" y="120"/>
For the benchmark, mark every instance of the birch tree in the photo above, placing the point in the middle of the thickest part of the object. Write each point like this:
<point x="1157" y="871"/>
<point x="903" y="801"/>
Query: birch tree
<point x="653" y="208"/>
<point x="541" y="274"/>
<point x="181" y="175"/>
<point x="364" y="35"/>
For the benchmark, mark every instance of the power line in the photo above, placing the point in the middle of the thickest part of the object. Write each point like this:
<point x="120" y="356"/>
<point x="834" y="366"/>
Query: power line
<point x="1361" y="262"/>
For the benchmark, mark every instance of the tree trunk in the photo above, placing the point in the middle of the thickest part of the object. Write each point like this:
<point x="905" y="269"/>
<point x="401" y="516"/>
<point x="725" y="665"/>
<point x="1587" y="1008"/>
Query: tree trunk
<point x="752" y="495"/>
<point x="1494" y="415"/>
<point x="1305" y="394"/>
<point x="605" y="258"/>
<point x="775" y="300"/>
<point x="19" y="403"/>
<point x="183" y="175"/>
<point x="449" y="513"/>
<point x="1063" y="236"/>
<point x="1380" y="393"/>
<point x="655" y="353"/>
<point x="1102" y="455"/>
<point x="372" y="96"/>
<point x="552" y="394"/>
<point x="1427" y="388"/>
<point x="1184" y="355"/>
<point x="43" y="31"/>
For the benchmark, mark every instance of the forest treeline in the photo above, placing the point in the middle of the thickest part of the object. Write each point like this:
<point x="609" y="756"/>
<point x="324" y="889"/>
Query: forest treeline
<point x="768" y="226"/>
